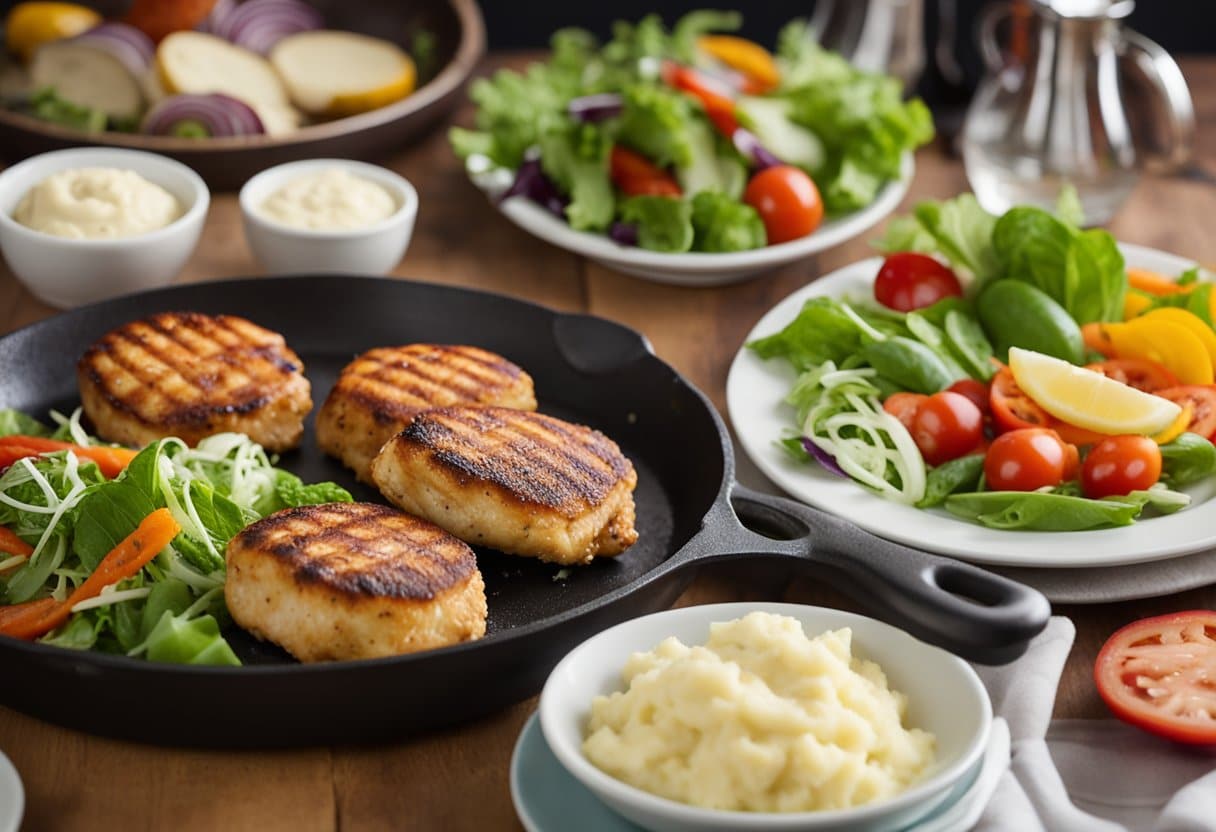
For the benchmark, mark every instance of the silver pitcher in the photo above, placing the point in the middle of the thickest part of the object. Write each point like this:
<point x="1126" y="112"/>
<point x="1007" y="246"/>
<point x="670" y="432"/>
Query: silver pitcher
<point x="1091" y="103"/>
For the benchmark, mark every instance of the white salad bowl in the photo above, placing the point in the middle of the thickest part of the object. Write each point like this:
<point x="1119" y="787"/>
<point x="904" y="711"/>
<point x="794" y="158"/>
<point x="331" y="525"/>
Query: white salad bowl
<point x="945" y="697"/>
<point x="284" y="249"/>
<point x="68" y="272"/>
<point x="692" y="268"/>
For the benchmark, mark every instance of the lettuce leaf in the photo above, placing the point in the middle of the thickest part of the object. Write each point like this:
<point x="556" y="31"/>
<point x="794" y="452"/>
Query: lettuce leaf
<point x="575" y="157"/>
<point x="16" y="423"/>
<point x="719" y="223"/>
<point x="664" y="223"/>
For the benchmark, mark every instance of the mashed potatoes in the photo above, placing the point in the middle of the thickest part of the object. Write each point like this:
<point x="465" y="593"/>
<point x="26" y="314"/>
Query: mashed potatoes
<point x="760" y="719"/>
<point x="96" y="204"/>
<point x="332" y="199"/>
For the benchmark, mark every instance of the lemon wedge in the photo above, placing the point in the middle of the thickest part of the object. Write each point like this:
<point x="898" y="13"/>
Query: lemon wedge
<point x="1088" y="399"/>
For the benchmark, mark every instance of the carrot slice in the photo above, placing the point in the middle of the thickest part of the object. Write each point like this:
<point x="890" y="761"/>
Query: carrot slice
<point x="28" y="610"/>
<point x="13" y="545"/>
<point x="124" y="560"/>
<point x="1154" y="283"/>
<point x="111" y="461"/>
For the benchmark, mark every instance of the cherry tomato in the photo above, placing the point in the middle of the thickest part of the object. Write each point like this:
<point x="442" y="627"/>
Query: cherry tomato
<point x="787" y="200"/>
<point x="1029" y="458"/>
<point x="977" y="391"/>
<point x="1119" y="465"/>
<point x="635" y="175"/>
<point x="1140" y="373"/>
<point x="903" y="406"/>
<point x="1157" y="675"/>
<point x="946" y="426"/>
<point x="908" y="281"/>
<point x="715" y="97"/>
<point x="1202" y="399"/>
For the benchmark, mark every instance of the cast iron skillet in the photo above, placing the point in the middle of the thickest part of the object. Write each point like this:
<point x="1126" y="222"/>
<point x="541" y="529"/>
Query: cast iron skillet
<point x="586" y="369"/>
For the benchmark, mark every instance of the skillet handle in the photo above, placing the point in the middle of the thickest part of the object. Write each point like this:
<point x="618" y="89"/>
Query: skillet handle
<point x="980" y="616"/>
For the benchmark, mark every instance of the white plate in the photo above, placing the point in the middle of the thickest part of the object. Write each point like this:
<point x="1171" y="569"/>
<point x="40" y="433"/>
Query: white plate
<point x="755" y="392"/>
<point x="694" y="268"/>
<point x="12" y="796"/>
<point x="546" y="796"/>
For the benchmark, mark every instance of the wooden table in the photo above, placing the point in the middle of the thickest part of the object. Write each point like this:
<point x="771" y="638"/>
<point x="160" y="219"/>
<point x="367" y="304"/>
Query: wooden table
<point x="457" y="779"/>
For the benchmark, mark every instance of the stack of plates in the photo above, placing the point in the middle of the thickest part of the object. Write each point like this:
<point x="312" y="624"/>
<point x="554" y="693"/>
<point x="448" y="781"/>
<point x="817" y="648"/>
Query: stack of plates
<point x="1158" y="556"/>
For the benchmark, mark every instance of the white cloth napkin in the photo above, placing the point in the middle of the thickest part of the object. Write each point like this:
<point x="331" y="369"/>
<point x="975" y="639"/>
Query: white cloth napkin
<point x="1102" y="584"/>
<point x="1087" y="775"/>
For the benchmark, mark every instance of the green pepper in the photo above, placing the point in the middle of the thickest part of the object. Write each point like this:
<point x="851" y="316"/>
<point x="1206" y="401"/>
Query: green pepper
<point x="967" y="338"/>
<point x="1189" y="458"/>
<point x="952" y="476"/>
<point x="909" y="364"/>
<point x="1042" y="511"/>
<point x="1017" y="314"/>
<point x="931" y="335"/>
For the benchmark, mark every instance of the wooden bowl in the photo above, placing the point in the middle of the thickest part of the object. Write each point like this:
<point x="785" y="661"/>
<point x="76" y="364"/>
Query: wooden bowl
<point x="226" y="163"/>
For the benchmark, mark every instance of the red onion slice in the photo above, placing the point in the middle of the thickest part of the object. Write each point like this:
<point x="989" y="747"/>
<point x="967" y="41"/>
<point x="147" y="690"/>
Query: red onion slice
<point x="531" y="182"/>
<point x="219" y="12"/>
<point x="221" y="115"/>
<point x="823" y="457"/>
<point x="128" y="44"/>
<point x="747" y="143"/>
<point x="625" y="233"/>
<point x="258" y="25"/>
<point x="598" y="107"/>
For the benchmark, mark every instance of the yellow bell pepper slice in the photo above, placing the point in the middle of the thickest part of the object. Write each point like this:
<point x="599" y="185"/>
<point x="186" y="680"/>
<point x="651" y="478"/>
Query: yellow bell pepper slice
<point x="1178" y="427"/>
<point x="1191" y="322"/>
<point x="1134" y="305"/>
<point x="1171" y="345"/>
<point x="742" y="55"/>
<point x="30" y="25"/>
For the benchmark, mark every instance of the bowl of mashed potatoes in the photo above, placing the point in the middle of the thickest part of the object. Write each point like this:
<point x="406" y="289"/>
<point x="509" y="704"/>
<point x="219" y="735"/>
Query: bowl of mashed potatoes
<point x="328" y="215"/>
<point x="765" y="717"/>
<point x="85" y="224"/>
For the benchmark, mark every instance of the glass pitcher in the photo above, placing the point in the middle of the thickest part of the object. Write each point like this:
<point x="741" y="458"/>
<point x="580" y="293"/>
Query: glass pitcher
<point x="1073" y="107"/>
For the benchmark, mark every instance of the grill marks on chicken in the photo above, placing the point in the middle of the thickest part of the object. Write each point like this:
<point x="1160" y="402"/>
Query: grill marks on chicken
<point x="524" y="483"/>
<point x="379" y="392"/>
<point x="191" y="375"/>
<point x="353" y="580"/>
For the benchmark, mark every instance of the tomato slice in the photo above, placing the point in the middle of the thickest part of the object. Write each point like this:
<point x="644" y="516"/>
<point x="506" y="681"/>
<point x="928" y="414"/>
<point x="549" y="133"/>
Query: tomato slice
<point x="636" y="175"/>
<point x="1011" y="408"/>
<point x="1159" y="674"/>
<point x="716" y="98"/>
<point x="1014" y="410"/>
<point x="1202" y="399"/>
<point x="1140" y="373"/>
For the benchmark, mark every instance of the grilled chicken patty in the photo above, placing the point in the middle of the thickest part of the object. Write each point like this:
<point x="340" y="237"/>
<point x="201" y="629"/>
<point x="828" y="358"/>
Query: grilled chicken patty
<point x="380" y="391"/>
<point x="191" y="375"/>
<point x="353" y="581"/>
<point x="523" y="483"/>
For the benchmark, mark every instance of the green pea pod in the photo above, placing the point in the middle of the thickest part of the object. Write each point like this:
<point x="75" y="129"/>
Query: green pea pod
<point x="1039" y="511"/>
<point x="965" y="335"/>
<point x="947" y="478"/>
<point x="1017" y="314"/>
<point x="931" y="335"/>
<point x="910" y="364"/>
<point x="1189" y="458"/>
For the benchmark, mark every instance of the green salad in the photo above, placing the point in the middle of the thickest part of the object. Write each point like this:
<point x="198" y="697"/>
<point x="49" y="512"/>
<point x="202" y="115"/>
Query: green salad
<point x="691" y="139"/>
<point x="71" y="517"/>
<point x="1010" y="369"/>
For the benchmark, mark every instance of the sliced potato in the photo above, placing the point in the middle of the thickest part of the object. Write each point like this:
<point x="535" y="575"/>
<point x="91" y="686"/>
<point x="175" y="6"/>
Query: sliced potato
<point x="335" y="74"/>
<point x="194" y="62"/>
<point x="88" y="75"/>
